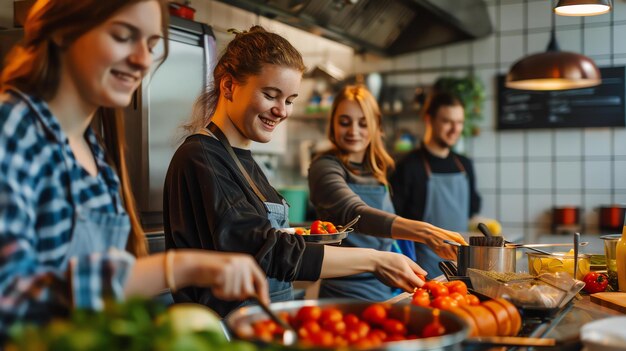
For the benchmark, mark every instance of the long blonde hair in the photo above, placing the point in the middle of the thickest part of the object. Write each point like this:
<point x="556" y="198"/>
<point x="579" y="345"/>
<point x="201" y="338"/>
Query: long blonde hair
<point x="244" y="56"/>
<point x="376" y="156"/>
<point x="34" y="67"/>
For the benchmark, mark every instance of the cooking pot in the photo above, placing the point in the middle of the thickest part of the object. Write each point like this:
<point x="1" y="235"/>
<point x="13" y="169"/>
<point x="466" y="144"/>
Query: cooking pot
<point x="611" y="218"/>
<point x="487" y="258"/>
<point x="565" y="216"/>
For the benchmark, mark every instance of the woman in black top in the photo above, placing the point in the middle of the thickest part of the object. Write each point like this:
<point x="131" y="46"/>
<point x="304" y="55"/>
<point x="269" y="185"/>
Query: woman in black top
<point x="213" y="203"/>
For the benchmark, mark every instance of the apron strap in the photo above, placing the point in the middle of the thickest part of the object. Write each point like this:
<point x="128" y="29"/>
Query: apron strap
<point x="429" y="170"/>
<point x="224" y="141"/>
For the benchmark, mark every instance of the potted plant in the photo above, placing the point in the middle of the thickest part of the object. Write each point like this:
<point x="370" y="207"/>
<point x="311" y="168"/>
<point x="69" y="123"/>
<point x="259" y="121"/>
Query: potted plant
<point x="471" y="91"/>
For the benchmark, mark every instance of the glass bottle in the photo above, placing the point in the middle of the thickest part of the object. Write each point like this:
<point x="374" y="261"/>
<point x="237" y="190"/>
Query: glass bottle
<point x="620" y="259"/>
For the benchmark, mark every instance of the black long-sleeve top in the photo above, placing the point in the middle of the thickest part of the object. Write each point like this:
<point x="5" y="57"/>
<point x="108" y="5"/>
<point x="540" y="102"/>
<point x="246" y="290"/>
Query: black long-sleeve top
<point x="409" y="181"/>
<point x="209" y="205"/>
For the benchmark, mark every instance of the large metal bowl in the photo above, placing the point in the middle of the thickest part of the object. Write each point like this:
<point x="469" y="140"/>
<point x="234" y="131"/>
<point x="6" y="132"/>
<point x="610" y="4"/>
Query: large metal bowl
<point x="239" y="323"/>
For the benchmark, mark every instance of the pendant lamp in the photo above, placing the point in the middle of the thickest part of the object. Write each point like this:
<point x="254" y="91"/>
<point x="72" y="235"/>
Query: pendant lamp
<point x="553" y="70"/>
<point x="582" y="7"/>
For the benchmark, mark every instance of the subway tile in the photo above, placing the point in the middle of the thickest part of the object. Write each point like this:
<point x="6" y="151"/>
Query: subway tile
<point x="485" y="175"/>
<point x="457" y="54"/>
<point x="431" y="58"/>
<point x="619" y="141"/>
<point x="511" y="144"/>
<point x="619" y="11"/>
<point x="539" y="143"/>
<point x="484" y="50"/>
<point x="511" y="175"/>
<point x="539" y="14"/>
<point x="511" y="48"/>
<point x="488" y="77"/>
<point x="567" y="21"/>
<point x="597" y="175"/>
<point x="568" y="175"/>
<point x="597" y="40"/>
<point x="606" y="18"/>
<point x="511" y="208"/>
<point x="568" y="142"/>
<point x="569" y="39"/>
<point x="538" y="209"/>
<point x="568" y="200"/>
<point x="540" y="175"/>
<point x="484" y="145"/>
<point x="537" y="42"/>
<point x="488" y="206"/>
<point x="620" y="174"/>
<point x="620" y="198"/>
<point x="591" y="207"/>
<point x="511" y="17"/>
<point x="597" y="142"/>
<point x="488" y="121"/>
<point x="492" y="10"/>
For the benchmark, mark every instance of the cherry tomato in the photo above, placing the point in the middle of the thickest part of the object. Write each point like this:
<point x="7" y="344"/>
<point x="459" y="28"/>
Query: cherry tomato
<point x="352" y="336"/>
<point x="395" y="337"/>
<point x="330" y="228"/>
<point x="335" y="327"/>
<point x="421" y="298"/>
<point x="351" y="320"/>
<point x="362" y="329"/>
<point x="457" y="286"/>
<point x="323" y="338"/>
<point x="472" y="300"/>
<point x="595" y="282"/>
<point x="436" y="289"/>
<point x="308" y="313"/>
<point x="394" y="327"/>
<point x="331" y="314"/>
<point x="444" y="303"/>
<point x="434" y="328"/>
<point x="375" y="314"/>
<point x="459" y="298"/>
<point x="378" y="333"/>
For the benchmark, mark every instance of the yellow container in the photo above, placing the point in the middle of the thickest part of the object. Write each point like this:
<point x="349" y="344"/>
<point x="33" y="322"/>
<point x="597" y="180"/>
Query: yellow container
<point x="558" y="262"/>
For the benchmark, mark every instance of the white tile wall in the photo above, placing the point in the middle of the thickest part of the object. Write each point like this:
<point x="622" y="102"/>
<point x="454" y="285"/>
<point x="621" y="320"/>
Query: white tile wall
<point x="511" y="48"/>
<point x="597" y="142"/>
<point x="620" y="175"/>
<point x="432" y="58"/>
<point x="619" y="141"/>
<point x="511" y="144"/>
<point x="539" y="14"/>
<point x="457" y="55"/>
<point x="540" y="175"/>
<point x="568" y="175"/>
<point x="511" y="17"/>
<point x="538" y="42"/>
<point x="484" y="145"/>
<point x="568" y="200"/>
<point x="568" y="142"/>
<point x="569" y="39"/>
<point x="511" y="175"/>
<point x="538" y="207"/>
<point x="591" y="205"/>
<point x="488" y="205"/>
<point x="540" y="143"/>
<point x="619" y="44"/>
<point x="567" y="21"/>
<point x="597" y="175"/>
<point x="512" y="206"/>
<point x="485" y="175"/>
<point x="593" y="46"/>
<point x="619" y="9"/>
<point x="484" y="50"/>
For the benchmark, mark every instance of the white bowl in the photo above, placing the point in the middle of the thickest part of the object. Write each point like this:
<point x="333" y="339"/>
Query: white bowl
<point x="607" y="334"/>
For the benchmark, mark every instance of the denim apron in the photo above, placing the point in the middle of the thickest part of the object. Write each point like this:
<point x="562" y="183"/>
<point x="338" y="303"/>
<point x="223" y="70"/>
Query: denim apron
<point x="447" y="206"/>
<point x="364" y="286"/>
<point x="277" y="214"/>
<point x="92" y="231"/>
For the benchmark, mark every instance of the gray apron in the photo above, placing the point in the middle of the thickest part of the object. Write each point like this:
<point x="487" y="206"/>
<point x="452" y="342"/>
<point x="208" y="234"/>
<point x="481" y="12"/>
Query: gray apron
<point x="277" y="214"/>
<point x="447" y="206"/>
<point x="92" y="231"/>
<point x="364" y="286"/>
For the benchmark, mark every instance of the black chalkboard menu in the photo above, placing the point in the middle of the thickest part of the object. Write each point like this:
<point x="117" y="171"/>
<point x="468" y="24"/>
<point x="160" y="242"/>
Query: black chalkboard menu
<point x="600" y="106"/>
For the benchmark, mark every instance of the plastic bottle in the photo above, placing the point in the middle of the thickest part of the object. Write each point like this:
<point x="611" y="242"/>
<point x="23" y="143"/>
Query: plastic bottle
<point x="620" y="258"/>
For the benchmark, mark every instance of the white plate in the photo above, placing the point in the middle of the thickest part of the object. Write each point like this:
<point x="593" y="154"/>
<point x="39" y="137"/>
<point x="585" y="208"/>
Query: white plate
<point x="608" y="334"/>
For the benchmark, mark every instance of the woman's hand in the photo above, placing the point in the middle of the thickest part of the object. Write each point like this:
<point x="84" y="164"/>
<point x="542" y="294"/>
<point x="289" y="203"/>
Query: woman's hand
<point x="428" y="234"/>
<point x="231" y="276"/>
<point x="397" y="270"/>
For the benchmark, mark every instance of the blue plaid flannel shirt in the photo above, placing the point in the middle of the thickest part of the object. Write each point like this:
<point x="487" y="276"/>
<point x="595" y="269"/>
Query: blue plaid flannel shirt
<point x="36" y="219"/>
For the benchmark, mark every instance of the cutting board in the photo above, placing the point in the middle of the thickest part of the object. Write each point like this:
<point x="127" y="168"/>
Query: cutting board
<point x="613" y="300"/>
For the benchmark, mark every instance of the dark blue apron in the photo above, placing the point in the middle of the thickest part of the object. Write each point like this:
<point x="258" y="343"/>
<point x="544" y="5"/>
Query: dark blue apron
<point x="446" y="206"/>
<point x="277" y="214"/>
<point x="364" y="286"/>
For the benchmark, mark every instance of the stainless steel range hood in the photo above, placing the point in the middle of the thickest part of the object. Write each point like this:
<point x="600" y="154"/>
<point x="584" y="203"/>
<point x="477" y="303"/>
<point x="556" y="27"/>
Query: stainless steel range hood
<point x="385" y="27"/>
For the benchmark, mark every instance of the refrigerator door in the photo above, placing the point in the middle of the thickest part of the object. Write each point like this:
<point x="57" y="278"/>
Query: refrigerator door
<point x="162" y="105"/>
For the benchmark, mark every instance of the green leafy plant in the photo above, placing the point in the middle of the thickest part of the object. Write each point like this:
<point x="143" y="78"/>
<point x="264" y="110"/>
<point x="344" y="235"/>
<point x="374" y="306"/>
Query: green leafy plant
<point x="471" y="91"/>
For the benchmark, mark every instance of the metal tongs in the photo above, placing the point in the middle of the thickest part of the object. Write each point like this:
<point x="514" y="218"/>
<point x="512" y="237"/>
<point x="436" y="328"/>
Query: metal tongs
<point x="290" y="337"/>
<point x="341" y="228"/>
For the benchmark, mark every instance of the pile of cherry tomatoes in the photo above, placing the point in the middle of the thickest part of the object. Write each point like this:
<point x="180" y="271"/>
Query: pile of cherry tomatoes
<point x="330" y="327"/>
<point x="488" y="318"/>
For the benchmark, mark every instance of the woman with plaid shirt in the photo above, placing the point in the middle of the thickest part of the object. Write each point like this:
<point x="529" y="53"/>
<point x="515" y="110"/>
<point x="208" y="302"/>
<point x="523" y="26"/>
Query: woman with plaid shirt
<point x="64" y="225"/>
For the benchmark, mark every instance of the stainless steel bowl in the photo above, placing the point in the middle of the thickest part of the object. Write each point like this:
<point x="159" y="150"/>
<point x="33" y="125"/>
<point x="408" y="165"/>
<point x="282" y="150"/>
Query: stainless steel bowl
<point x="239" y="323"/>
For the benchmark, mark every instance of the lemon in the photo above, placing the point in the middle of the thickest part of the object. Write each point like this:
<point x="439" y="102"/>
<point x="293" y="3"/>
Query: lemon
<point x="556" y="265"/>
<point x="537" y="266"/>
<point x="583" y="268"/>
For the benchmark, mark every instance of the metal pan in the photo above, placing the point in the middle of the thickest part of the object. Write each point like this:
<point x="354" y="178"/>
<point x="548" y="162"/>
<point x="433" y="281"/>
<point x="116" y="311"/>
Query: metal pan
<point x="321" y="239"/>
<point x="239" y="323"/>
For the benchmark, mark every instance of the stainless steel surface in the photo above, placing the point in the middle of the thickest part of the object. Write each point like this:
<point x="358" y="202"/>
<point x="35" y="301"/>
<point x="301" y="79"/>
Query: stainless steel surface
<point x="510" y="341"/>
<point x="576" y="248"/>
<point x="499" y="259"/>
<point x="321" y="239"/>
<point x="240" y="322"/>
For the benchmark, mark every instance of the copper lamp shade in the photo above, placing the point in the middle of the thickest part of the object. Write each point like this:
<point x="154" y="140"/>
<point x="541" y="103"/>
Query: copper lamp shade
<point x="553" y="70"/>
<point x="582" y="7"/>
